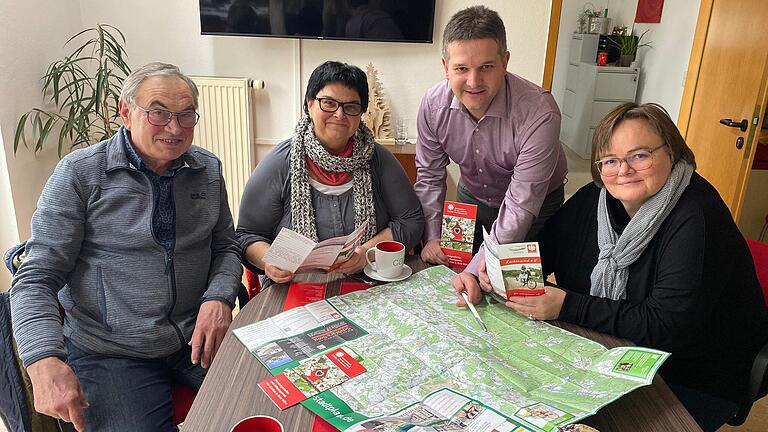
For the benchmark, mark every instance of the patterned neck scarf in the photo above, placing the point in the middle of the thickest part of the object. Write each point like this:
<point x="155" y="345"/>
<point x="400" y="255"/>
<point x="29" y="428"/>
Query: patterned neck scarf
<point x="617" y="252"/>
<point x="305" y="144"/>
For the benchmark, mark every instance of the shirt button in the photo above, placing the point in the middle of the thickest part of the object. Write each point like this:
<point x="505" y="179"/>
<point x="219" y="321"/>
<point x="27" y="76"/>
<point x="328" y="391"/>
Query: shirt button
<point x="480" y="170"/>
<point x="485" y="186"/>
<point x="477" y="150"/>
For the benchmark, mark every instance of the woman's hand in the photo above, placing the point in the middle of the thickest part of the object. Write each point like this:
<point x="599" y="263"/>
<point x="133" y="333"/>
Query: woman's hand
<point x="277" y="274"/>
<point x="355" y="263"/>
<point x="543" y="307"/>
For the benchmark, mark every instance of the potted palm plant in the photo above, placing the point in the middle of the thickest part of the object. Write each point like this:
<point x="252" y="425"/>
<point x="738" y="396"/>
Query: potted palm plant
<point x="628" y="46"/>
<point x="84" y="88"/>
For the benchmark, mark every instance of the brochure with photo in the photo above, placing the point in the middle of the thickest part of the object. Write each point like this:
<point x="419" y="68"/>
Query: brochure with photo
<point x="514" y="268"/>
<point x="458" y="232"/>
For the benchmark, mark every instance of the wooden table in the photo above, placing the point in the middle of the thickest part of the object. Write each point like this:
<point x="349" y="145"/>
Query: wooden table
<point x="229" y="392"/>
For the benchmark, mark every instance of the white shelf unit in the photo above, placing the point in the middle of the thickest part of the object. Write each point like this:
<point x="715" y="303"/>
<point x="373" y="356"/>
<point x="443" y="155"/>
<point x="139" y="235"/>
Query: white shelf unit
<point x="591" y="91"/>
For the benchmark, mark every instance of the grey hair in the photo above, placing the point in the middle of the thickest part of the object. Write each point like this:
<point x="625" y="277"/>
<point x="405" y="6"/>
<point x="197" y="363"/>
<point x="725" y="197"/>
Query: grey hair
<point x="134" y="80"/>
<point x="475" y="22"/>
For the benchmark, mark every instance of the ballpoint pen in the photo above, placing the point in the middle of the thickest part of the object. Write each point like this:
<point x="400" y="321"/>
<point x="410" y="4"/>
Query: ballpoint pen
<point x="474" y="311"/>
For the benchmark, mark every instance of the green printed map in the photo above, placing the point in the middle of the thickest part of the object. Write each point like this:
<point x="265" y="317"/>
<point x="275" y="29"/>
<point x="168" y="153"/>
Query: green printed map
<point x="415" y="342"/>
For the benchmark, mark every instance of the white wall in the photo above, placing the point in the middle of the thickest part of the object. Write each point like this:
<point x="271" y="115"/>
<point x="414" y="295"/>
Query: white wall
<point x="8" y="231"/>
<point x="663" y="67"/>
<point x="405" y="70"/>
<point x="31" y="36"/>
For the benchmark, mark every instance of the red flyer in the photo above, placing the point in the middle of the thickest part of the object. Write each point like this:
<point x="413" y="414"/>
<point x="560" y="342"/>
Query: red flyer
<point x="458" y="232"/>
<point x="282" y="391"/>
<point x="302" y="293"/>
<point x="348" y="287"/>
<point x="312" y="376"/>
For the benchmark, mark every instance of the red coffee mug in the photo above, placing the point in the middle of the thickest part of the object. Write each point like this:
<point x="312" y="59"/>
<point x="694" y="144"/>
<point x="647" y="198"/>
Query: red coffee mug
<point x="258" y="423"/>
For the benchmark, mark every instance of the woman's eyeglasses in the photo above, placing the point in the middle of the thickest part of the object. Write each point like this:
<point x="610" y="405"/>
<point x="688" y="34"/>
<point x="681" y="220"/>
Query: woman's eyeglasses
<point x="637" y="160"/>
<point x="331" y="105"/>
<point x="160" y="117"/>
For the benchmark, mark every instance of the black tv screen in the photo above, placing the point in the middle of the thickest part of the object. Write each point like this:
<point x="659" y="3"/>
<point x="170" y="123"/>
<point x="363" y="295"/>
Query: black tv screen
<point x="370" y="20"/>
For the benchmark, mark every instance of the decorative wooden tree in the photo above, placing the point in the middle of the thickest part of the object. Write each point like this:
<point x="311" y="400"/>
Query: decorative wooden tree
<point x="377" y="117"/>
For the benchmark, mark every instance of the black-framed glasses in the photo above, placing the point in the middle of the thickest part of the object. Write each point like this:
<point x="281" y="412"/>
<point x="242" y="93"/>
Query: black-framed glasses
<point x="638" y="160"/>
<point x="331" y="105"/>
<point x="161" y="117"/>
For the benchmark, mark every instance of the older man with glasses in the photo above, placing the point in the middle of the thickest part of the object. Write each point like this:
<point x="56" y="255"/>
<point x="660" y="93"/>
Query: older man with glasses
<point x="133" y="237"/>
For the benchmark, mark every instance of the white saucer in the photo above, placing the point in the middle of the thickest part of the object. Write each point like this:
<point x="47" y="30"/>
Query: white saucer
<point x="371" y="273"/>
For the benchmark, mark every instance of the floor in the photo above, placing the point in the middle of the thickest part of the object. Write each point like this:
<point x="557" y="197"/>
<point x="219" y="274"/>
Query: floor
<point x="578" y="172"/>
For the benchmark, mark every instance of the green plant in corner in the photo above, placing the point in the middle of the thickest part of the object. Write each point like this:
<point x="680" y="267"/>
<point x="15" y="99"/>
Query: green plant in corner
<point x="84" y="87"/>
<point x="629" y="44"/>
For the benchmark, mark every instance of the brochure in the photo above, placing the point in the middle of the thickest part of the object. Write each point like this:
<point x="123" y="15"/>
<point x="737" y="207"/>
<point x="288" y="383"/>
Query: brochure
<point x="458" y="232"/>
<point x="443" y="410"/>
<point x="303" y="293"/>
<point x="312" y="376"/>
<point x="296" y="253"/>
<point x="514" y="268"/>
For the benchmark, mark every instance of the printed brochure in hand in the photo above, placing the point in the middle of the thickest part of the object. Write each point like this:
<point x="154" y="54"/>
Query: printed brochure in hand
<point x="458" y="232"/>
<point x="296" y="253"/>
<point x="514" y="268"/>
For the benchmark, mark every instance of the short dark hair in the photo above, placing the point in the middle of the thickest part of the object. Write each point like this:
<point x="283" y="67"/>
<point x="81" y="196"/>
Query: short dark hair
<point x="331" y="72"/>
<point x="475" y="22"/>
<point x="656" y="117"/>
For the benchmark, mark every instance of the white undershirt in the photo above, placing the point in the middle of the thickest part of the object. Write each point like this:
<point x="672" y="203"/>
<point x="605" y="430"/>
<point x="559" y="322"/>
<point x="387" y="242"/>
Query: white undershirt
<point x="330" y="189"/>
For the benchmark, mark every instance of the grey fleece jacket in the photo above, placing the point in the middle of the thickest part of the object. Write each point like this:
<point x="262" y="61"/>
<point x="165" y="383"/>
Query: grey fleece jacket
<point x="92" y="246"/>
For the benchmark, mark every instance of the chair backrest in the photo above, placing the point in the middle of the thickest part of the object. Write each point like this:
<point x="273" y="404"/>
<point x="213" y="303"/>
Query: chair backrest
<point x="760" y="256"/>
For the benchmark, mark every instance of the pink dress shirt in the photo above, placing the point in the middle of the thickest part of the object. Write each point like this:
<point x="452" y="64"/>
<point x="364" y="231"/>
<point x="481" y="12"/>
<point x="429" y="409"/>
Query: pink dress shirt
<point x="510" y="159"/>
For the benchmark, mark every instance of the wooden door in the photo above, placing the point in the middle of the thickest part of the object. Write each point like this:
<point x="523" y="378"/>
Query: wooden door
<point x="726" y="79"/>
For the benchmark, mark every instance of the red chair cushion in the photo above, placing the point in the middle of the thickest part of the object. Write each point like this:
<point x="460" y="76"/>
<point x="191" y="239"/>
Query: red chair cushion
<point x="182" y="397"/>
<point x="760" y="256"/>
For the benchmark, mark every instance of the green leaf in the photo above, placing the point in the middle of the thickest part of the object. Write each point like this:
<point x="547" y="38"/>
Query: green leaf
<point x="19" y="136"/>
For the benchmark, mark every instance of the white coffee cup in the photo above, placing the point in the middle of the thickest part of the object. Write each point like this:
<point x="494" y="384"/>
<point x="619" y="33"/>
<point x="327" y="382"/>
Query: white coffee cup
<point x="389" y="258"/>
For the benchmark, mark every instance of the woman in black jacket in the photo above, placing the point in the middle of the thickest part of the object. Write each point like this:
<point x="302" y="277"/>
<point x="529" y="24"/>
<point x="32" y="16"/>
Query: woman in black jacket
<point x="649" y="252"/>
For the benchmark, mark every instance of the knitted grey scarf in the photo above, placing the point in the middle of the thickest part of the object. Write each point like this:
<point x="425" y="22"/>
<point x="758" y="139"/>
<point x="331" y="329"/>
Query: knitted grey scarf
<point x="304" y="143"/>
<point x="617" y="253"/>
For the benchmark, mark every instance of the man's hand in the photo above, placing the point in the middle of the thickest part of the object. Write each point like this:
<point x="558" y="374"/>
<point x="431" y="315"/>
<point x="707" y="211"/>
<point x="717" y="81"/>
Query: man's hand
<point x="482" y="276"/>
<point x="432" y="253"/>
<point x="355" y="263"/>
<point x="57" y="391"/>
<point x="466" y="281"/>
<point x="211" y="326"/>
<point x="277" y="274"/>
<point x="544" y="307"/>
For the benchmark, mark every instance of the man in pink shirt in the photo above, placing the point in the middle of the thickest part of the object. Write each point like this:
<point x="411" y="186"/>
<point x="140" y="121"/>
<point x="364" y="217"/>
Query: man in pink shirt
<point x="502" y="131"/>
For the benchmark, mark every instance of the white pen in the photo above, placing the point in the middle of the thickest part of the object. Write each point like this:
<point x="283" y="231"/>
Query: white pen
<point x="474" y="311"/>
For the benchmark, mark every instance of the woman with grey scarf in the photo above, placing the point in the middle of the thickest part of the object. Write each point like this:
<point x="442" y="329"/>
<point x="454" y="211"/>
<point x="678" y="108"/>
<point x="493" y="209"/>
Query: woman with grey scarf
<point x="329" y="179"/>
<point x="650" y="253"/>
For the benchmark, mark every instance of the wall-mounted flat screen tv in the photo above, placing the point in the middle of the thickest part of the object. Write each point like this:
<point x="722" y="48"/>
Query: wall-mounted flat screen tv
<point x="369" y="20"/>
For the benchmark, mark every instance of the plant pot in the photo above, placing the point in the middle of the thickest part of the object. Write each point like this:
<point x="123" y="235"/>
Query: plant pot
<point x="625" y="60"/>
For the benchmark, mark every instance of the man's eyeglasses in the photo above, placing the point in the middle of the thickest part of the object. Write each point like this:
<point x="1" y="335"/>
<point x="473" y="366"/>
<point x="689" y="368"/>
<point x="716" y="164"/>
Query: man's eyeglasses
<point x="331" y="105"/>
<point x="161" y="117"/>
<point x="637" y="160"/>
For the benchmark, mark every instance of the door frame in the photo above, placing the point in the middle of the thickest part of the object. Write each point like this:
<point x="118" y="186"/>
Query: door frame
<point x="549" y="57"/>
<point x="689" y="94"/>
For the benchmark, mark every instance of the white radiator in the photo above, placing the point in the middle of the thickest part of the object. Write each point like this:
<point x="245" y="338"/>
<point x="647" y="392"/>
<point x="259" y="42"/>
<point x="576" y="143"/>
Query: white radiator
<point x="226" y="129"/>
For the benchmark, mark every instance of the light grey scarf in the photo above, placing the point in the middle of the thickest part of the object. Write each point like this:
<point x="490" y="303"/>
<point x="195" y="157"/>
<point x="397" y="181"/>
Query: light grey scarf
<point x="304" y="143"/>
<point x="617" y="253"/>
